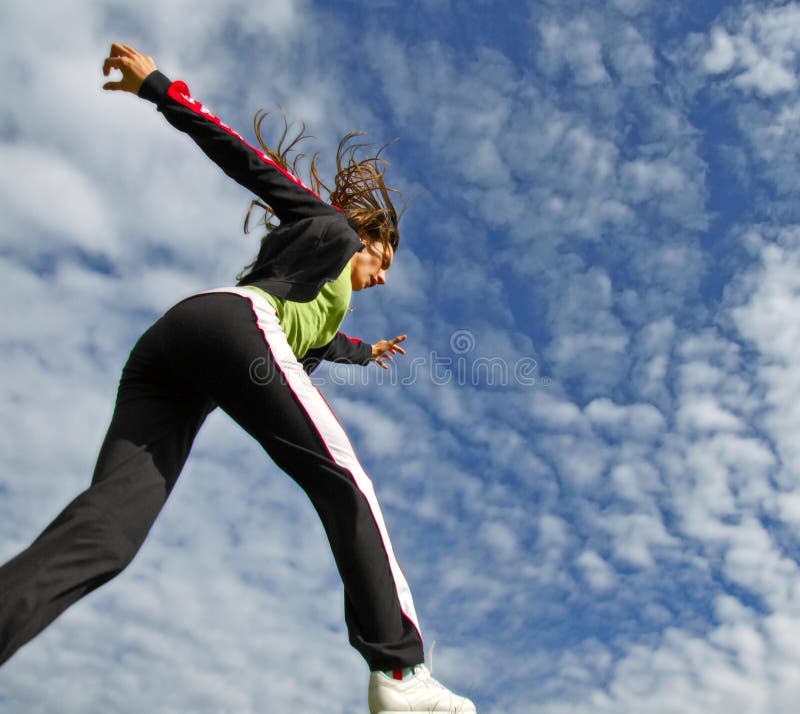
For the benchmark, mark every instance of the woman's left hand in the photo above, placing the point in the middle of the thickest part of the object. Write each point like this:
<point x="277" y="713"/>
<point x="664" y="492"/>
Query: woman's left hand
<point x="384" y="350"/>
<point x="135" y="68"/>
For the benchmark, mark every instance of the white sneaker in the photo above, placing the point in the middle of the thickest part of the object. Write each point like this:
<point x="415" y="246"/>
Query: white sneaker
<point x="419" y="692"/>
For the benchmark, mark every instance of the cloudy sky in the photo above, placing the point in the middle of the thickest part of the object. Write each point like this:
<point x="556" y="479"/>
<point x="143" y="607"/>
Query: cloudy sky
<point x="588" y="459"/>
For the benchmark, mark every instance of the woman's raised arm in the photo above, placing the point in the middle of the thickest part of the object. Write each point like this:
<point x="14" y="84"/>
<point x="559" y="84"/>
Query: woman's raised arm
<point x="288" y="197"/>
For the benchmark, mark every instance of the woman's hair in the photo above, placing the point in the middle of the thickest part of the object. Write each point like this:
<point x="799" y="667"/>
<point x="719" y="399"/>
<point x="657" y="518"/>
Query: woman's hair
<point x="358" y="188"/>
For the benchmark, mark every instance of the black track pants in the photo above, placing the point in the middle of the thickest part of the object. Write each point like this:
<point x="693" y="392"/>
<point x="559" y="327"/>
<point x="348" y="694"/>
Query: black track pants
<point x="226" y="349"/>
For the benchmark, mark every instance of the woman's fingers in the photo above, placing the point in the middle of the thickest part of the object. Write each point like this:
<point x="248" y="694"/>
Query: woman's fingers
<point x="119" y="56"/>
<point x="120" y="50"/>
<point x="114" y="63"/>
<point x="395" y="347"/>
<point x="134" y="66"/>
<point x="384" y="350"/>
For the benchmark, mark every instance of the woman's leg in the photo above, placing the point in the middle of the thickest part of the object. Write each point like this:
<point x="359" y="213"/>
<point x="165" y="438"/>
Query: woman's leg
<point x="97" y="535"/>
<point x="248" y="369"/>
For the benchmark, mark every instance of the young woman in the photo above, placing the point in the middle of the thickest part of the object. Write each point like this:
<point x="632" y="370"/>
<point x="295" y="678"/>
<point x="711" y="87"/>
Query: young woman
<point x="248" y="350"/>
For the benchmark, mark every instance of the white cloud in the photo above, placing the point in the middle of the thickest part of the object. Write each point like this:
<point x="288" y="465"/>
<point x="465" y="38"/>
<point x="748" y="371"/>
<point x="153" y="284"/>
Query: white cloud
<point x="767" y="319"/>
<point x="721" y="56"/>
<point x="636" y="538"/>
<point x="573" y="45"/>
<point x="598" y="573"/>
<point x="633" y="58"/>
<point x="634" y="478"/>
<point x="381" y="433"/>
<point x="706" y="415"/>
<point x="638" y="421"/>
<point x="56" y="199"/>
<point x="552" y="411"/>
<point x="760" y="45"/>
<point x="767" y="76"/>
<point x="788" y="507"/>
<point x="553" y="534"/>
<point x="753" y="561"/>
<point x="501" y="539"/>
<point x="579" y="460"/>
<point x="632" y="7"/>
<point x="646" y="179"/>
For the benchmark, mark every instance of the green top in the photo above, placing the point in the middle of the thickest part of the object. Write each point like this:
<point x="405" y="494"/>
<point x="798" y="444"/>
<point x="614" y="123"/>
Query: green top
<point x="315" y="323"/>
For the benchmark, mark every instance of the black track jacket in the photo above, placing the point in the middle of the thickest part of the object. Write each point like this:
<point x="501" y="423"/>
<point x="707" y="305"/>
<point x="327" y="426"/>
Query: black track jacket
<point x="314" y="241"/>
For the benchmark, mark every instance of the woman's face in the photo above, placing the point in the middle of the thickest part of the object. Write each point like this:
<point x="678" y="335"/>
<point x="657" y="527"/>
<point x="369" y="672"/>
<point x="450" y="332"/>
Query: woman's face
<point x="368" y="267"/>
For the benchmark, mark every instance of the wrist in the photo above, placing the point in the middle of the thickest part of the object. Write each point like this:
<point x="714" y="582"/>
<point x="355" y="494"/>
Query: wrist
<point x="155" y="86"/>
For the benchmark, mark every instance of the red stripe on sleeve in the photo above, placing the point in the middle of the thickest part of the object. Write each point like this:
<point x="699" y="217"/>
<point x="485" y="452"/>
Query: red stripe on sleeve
<point x="354" y="340"/>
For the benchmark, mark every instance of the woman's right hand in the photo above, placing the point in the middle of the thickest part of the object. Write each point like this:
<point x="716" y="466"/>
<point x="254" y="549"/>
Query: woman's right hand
<point x="384" y="349"/>
<point x="135" y="68"/>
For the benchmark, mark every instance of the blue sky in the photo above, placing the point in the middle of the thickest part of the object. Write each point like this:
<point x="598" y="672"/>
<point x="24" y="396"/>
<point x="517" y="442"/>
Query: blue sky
<point x="602" y="197"/>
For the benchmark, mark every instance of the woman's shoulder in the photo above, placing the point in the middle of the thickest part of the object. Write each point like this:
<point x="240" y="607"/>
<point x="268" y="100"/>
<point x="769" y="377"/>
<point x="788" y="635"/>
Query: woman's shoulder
<point x="340" y="230"/>
<point x="324" y="232"/>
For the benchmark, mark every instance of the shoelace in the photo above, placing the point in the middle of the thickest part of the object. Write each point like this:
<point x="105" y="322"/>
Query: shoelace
<point x="425" y="675"/>
<point x="422" y="673"/>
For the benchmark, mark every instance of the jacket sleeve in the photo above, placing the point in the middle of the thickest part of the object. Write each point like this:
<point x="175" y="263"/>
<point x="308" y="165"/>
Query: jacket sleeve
<point x="341" y="349"/>
<point x="288" y="197"/>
